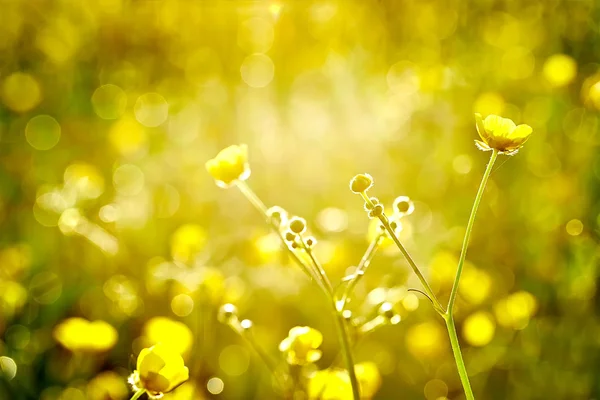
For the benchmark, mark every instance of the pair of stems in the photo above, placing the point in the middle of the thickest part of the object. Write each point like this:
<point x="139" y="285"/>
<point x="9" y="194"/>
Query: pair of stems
<point x="447" y="313"/>
<point x="315" y="271"/>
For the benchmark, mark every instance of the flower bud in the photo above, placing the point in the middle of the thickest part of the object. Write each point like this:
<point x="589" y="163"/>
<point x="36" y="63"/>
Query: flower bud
<point x="290" y="236"/>
<point x="361" y="183"/>
<point x="387" y="312"/>
<point x="277" y="215"/>
<point x="230" y="165"/>
<point x="403" y="206"/>
<point x="226" y="313"/>
<point x="376" y="212"/>
<point x="246" y="324"/>
<point x="297" y="225"/>
<point x="310" y="241"/>
<point x="159" y="370"/>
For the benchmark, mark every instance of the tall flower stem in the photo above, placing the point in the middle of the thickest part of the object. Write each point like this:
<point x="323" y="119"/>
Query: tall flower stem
<point x="318" y="274"/>
<point x="449" y="315"/>
<point x="388" y="227"/>
<point x="465" y="245"/>
<point x="137" y="394"/>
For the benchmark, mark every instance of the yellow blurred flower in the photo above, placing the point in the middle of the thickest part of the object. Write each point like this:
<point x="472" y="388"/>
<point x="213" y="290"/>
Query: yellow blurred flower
<point x="12" y="297"/>
<point x="78" y="334"/>
<point x="230" y="165"/>
<point x="160" y="369"/>
<point x="501" y="134"/>
<point x="301" y="345"/>
<point x="187" y="241"/>
<point x="165" y="330"/>
<point x="107" y="386"/>
<point x="516" y="310"/>
<point x="334" y="384"/>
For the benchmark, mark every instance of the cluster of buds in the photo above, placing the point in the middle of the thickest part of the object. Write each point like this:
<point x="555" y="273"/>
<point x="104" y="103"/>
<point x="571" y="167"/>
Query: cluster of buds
<point x="296" y="227"/>
<point x="228" y="315"/>
<point x="386" y="315"/>
<point x="403" y="206"/>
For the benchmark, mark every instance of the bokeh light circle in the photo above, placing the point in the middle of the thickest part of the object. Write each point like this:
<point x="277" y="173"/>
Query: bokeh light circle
<point x="151" y="110"/>
<point x="109" y="101"/>
<point x="21" y="92"/>
<point x="257" y="70"/>
<point x="42" y="132"/>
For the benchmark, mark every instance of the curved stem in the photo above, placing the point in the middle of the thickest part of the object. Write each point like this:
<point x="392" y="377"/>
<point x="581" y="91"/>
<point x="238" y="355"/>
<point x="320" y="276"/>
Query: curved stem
<point x="449" y="315"/>
<point x="386" y="224"/>
<point x="138" y="394"/>
<point x="465" y="245"/>
<point x="460" y="363"/>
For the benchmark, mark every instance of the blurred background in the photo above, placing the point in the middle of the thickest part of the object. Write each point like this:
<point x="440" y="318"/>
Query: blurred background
<point x="109" y="110"/>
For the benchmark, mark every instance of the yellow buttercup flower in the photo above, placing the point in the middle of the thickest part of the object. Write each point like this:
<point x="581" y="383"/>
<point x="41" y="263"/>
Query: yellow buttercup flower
<point x="501" y="134"/>
<point x="163" y="330"/>
<point x="230" y="165"/>
<point x="160" y="369"/>
<point x="334" y="383"/>
<point x="78" y="334"/>
<point x="301" y="345"/>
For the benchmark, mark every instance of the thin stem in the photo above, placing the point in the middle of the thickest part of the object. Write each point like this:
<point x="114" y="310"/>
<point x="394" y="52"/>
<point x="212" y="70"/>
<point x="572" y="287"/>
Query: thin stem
<point x="253" y="198"/>
<point x="360" y="270"/>
<point x="262" y="209"/>
<point x="138" y="394"/>
<point x="460" y="363"/>
<point x="449" y="315"/>
<point x="465" y="245"/>
<point x="386" y="224"/>
<point x="322" y="281"/>
<point x="344" y="339"/>
<point x="269" y="362"/>
<point x="318" y="268"/>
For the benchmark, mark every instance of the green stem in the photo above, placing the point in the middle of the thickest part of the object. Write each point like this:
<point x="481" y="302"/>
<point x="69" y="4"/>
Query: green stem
<point x="318" y="274"/>
<point x="460" y="363"/>
<point x="344" y="339"/>
<point x="449" y="315"/>
<point x="262" y="209"/>
<point x="465" y="245"/>
<point x="138" y="394"/>
<point x="360" y="270"/>
<point x="386" y="224"/>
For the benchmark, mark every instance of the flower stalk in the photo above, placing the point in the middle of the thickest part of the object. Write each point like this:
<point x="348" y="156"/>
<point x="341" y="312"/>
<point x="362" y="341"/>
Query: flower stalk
<point x="138" y="394"/>
<point x="316" y="272"/>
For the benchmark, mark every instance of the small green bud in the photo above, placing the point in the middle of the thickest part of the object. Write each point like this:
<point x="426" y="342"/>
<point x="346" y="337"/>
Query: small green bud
<point x="361" y="183"/>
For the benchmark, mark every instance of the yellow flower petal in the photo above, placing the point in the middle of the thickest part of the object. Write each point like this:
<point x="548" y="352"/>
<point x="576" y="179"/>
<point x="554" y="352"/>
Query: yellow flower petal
<point x="521" y="131"/>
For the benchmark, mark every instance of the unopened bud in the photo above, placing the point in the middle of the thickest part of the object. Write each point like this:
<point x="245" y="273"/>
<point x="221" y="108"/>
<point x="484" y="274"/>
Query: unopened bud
<point x="376" y="212"/>
<point x="403" y="206"/>
<point x="361" y="183"/>
<point x="297" y="225"/>
<point x="290" y="236"/>
<point x="226" y="313"/>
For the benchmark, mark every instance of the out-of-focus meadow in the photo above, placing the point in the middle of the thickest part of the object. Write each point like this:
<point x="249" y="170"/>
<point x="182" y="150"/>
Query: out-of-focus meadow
<point x="109" y="110"/>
